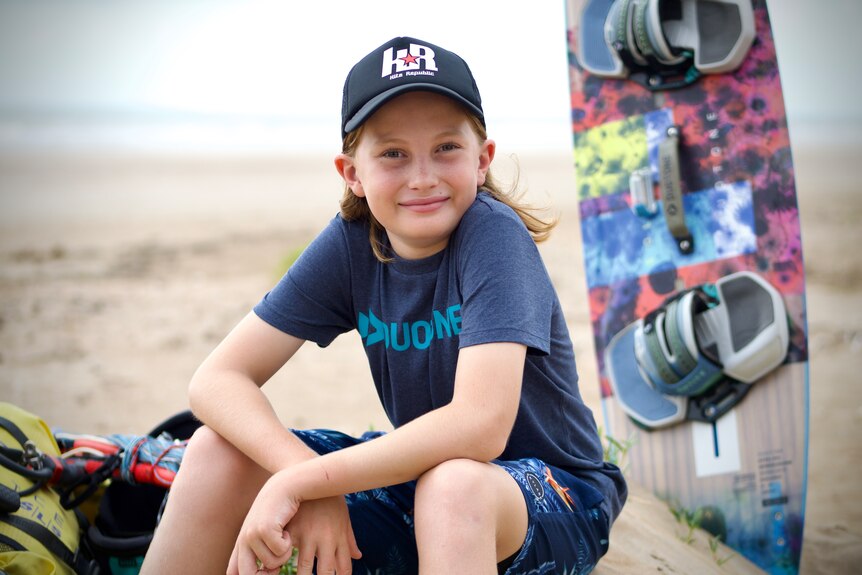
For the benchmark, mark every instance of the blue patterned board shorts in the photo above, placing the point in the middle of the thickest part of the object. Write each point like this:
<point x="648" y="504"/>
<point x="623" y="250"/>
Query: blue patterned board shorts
<point x="567" y="531"/>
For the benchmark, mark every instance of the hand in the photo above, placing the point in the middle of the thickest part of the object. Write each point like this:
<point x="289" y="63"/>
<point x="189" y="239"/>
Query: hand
<point x="276" y="523"/>
<point x="263" y="536"/>
<point x="321" y="528"/>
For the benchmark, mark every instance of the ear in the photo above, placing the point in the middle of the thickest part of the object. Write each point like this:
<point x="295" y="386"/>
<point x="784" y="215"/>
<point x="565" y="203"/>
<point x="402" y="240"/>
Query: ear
<point x="486" y="156"/>
<point x="346" y="168"/>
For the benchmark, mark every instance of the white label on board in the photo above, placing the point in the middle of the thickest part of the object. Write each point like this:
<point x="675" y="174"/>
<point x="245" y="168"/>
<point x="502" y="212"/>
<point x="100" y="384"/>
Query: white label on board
<point x="716" y="446"/>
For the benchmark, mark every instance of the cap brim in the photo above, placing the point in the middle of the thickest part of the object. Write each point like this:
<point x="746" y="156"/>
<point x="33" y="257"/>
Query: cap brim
<point x="635" y="394"/>
<point x="375" y="103"/>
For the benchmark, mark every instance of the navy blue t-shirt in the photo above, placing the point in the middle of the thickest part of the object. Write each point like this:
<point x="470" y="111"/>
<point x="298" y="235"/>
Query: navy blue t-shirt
<point x="488" y="285"/>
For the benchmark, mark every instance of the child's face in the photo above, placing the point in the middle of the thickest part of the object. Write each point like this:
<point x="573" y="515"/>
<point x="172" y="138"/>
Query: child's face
<point x="418" y="165"/>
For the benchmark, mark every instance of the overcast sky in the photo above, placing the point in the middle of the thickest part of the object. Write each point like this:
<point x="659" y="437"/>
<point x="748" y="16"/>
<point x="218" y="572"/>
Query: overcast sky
<point x="271" y="72"/>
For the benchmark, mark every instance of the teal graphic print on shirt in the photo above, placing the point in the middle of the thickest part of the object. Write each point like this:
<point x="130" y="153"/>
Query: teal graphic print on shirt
<point x="410" y="335"/>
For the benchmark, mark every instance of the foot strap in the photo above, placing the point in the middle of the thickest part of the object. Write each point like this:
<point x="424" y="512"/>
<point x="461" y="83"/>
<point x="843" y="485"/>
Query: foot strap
<point x="697" y="356"/>
<point x="664" y="44"/>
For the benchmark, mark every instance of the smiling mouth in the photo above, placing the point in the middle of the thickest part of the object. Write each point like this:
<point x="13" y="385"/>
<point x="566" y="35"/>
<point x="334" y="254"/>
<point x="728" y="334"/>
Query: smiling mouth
<point x="424" y="204"/>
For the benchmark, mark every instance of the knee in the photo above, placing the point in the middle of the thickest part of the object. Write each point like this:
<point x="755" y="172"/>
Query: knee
<point x="213" y="473"/>
<point x="458" y="486"/>
<point x="209" y="452"/>
<point x="204" y="443"/>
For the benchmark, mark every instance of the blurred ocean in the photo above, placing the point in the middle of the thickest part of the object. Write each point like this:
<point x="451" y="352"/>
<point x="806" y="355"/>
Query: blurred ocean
<point x="222" y="134"/>
<point x="164" y="133"/>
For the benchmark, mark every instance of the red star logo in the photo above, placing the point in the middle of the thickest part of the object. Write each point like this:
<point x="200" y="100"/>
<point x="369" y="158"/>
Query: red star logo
<point x="409" y="59"/>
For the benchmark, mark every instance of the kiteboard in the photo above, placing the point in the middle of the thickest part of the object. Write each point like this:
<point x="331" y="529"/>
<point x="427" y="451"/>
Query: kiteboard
<point x="693" y="261"/>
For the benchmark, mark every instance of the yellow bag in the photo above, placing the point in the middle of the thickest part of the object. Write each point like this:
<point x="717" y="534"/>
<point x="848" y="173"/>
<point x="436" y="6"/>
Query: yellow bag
<point x="40" y="537"/>
<point x="27" y="563"/>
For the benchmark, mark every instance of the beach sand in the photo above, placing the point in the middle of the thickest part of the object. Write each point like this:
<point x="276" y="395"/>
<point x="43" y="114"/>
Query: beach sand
<point x="119" y="275"/>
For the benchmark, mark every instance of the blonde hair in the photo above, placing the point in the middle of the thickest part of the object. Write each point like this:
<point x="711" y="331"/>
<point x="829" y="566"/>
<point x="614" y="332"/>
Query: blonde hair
<point x="355" y="208"/>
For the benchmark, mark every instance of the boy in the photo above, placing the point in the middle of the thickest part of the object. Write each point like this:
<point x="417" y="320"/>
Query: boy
<point x="494" y="464"/>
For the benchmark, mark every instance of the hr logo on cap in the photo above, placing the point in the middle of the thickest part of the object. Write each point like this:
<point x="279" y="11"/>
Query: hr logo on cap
<point x="416" y="58"/>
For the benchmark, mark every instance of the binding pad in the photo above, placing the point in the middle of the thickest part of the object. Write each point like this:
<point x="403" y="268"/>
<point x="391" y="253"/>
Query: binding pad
<point x="664" y="44"/>
<point x="697" y="355"/>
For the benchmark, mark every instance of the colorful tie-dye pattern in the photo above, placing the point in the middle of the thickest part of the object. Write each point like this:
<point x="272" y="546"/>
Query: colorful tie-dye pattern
<point x="739" y="197"/>
<point x="620" y="246"/>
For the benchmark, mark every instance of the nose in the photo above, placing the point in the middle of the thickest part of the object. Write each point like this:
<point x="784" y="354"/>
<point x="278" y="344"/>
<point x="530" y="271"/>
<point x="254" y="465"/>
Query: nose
<point x="423" y="176"/>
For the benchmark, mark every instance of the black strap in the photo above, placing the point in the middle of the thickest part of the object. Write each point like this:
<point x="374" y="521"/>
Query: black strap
<point x="50" y="541"/>
<point x="716" y="401"/>
<point x="7" y="543"/>
<point x="38" y="476"/>
<point x="655" y="75"/>
<point x="73" y="495"/>
<point x="14" y="430"/>
<point x="8" y="456"/>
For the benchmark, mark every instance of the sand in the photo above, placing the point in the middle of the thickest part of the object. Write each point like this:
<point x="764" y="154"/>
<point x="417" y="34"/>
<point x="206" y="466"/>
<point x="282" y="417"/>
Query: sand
<point x="118" y="275"/>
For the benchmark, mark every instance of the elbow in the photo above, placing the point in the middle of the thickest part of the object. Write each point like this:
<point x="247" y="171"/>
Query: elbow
<point x="481" y="432"/>
<point x="490" y="437"/>
<point x="501" y="439"/>
<point x="198" y="393"/>
<point x="490" y="450"/>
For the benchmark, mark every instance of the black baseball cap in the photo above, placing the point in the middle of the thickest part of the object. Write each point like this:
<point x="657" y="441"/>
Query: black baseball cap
<point x="404" y="65"/>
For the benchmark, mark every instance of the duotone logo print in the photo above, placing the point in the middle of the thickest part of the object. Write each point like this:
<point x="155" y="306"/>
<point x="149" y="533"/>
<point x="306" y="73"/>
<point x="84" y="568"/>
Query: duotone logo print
<point x="410" y="335"/>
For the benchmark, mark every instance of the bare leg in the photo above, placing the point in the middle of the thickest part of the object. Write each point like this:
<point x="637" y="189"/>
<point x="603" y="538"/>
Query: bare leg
<point x="208" y="502"/>
<point x="468" y="516"/>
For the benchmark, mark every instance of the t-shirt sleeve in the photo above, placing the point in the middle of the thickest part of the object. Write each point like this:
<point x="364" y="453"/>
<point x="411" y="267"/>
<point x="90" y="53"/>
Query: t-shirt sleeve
<point x="506" y="292"/>
<point x="312" y="301"/>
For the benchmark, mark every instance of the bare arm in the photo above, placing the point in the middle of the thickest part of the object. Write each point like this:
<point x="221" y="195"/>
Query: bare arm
<point x="225" y="393"/>
<point x="475" y="425"/>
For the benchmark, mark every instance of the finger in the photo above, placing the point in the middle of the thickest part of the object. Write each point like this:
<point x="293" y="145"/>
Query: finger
<point x="353" y="545"/>
<point x="273" y="550"/>
<point x="246" y="561"/>
<point x="305" y="561"/>
<point x="278" y="544"/>
<point x="344" y="561"/>
<point x="326" y="561"/>
<point x="262" y="552"/>
<point x="233" y="564"/>
<point x="326" y="568"/>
